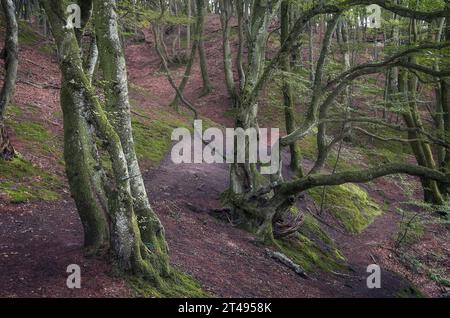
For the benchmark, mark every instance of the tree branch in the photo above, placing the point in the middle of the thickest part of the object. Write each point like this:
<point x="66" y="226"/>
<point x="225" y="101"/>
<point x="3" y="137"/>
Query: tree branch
<point x="360" y="176"/>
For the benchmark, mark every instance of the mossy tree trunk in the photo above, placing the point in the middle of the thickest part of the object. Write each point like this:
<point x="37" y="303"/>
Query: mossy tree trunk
<point x="289" y="103"/>
<point x="131" y="254"/>
<point x="249" y="190"/>
<point x="207" y="86"/>
<point x="87" y="179"/>
<point x="226" y="9"/>
<point x="11" y="57"/>
<point x="112" y="63"/>
<point x="190" y="63"/>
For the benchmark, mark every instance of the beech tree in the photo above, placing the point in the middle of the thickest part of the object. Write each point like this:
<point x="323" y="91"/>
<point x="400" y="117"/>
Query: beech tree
<point x="264" y="204"/>
<point x="10" y="55"/>
<point x="114" y="206"/>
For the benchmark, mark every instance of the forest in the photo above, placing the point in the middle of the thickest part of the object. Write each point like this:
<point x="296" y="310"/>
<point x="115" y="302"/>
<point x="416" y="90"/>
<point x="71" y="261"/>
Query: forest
<point x="225" y="149"/>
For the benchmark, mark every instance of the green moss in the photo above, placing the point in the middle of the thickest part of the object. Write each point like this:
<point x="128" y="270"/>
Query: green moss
<point x="440" y="279"/>
<point x="309" y="255"/>
<point x="178" y="285"/>
<point x="28" y="36"/>
<point x="312" y="248"/>
<point x="14" y="110"/>
<point x="152" y="132"/>
<point x="382" y="155"/>
<point x="308" y="149"/>
<point x="411" y="229"/>
<point x="136" y="89"/>
<point x="31" y="131"/>
<point x="22" y="182"/>
<point x="311" y="228"/>
<point x="410" y="292"/>
<point x="152" y="140"/>
<point x="350" y="204"/>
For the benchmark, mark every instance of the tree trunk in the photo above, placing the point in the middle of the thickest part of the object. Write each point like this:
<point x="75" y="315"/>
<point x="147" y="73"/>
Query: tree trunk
<point x="11" y="57"/>
<point x="112" y="62"/>
<point x="289" y="104"/>
<point x="131" y="254"/>
<point x="188" y="29"/>
<point x="207" y="86"/>
<point x="225" y="16"/>
<point x="247" y="194"/>
<point x="187" y="73"/>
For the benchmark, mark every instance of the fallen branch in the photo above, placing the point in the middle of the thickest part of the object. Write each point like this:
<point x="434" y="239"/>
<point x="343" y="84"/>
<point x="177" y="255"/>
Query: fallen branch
<point x="40" y="86"/>
<point x="283" y="259"/>
<point x="140" y="115"/>
<point x="34" y="63"/>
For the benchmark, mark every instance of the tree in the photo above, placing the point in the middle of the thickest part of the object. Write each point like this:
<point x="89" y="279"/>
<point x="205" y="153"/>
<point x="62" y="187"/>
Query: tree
<point x="264" y="204"/>
<point x="226" y="9"/>
<point x="117" y="218"/>
<point x="207" y="86"/>
<point x="289" y="103"/>
<point x="11" y="56"/>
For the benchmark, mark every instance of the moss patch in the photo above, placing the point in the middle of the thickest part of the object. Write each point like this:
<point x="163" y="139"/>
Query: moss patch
<point x="312" y="248"/>
<point x="312" y="229"/>
<point x="410" y="230"/>
<point x="31" y="131"/>
<point x="350" y="204"/>
<point x="380" y="155"/>
<point x="309" y="255"/>
<point x="13" y="110"/>
<point x="22" y="182"/>
<point x="308" y="149"/>
<point x="153" y="140"/>
<point x="179" y="285"/>
<point x="28" y="36"/>
<point x="410" y="292"/>
<point x="152" y="132"/>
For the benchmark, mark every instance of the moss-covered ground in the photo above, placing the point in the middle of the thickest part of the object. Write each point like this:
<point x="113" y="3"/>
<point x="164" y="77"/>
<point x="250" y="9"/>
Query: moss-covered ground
<point x="350" y="204"/>
<point x="179" y="285"/>
<point x="23" y="182"/>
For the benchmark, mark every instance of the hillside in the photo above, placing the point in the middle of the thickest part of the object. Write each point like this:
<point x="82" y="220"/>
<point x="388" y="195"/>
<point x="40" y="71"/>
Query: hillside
<point x="40" y="231"/>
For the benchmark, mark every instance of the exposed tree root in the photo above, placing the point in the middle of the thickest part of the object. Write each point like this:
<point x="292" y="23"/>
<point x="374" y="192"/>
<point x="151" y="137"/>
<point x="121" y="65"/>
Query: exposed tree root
<point x="7" y="151"/>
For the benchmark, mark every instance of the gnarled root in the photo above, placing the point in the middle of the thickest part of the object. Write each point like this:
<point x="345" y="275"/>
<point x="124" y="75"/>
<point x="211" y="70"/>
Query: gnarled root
<point x="7" y="151"/>
<point x="287" y="227"/>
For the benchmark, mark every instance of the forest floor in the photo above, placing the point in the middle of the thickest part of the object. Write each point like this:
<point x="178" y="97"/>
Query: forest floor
<point x="39" y="239"/>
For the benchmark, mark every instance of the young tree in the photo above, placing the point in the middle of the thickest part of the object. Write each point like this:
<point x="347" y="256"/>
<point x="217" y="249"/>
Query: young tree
<point x="289" y="103"/>
<point x="226" y="10"/>
<point x="207" y="86"/>
<point x="10" y="55"/>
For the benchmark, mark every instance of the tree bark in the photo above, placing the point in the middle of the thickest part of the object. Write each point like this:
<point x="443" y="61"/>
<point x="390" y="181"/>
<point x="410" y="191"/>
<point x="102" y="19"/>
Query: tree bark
<point x="112" y="63"/>
<point x="226" y="8"/>
<point x="11" y="57"/>
<point x="289" y="103"/>
<point x="130" y="253"/>
<point x="207" y="86"/>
